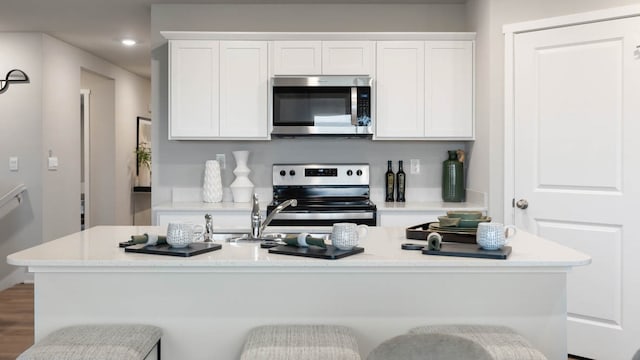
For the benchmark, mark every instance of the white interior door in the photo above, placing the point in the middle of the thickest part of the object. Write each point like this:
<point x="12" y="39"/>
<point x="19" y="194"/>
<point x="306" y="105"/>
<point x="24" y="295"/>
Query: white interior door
<point x="577" y="148"/>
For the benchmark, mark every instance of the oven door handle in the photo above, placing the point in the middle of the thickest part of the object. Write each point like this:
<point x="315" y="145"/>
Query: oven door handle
<point x="324" y="216"/>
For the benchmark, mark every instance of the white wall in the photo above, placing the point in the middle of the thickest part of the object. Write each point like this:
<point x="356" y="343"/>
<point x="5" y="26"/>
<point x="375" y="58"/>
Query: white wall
<point x="44" y="115"/>
<point x="20" y="134"/>
<point x="181" y="163"/>
<point x="61" y="118"/>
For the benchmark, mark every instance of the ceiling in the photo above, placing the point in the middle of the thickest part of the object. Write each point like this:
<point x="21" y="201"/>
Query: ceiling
<point x="97" y="26"/>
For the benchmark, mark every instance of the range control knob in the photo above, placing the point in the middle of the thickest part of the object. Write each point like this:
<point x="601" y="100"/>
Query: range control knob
<point x="359" y="172"/>
<point x="292" y="172"/>
<point x="349" y="172"/>
<point x="283" y="173"/>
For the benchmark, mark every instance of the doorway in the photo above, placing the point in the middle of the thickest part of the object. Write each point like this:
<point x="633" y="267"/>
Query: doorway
<point x="98" y="148"/>
<point x="85" y="200"/>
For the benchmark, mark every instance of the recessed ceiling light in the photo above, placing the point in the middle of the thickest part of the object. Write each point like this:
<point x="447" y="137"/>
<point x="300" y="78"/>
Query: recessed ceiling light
<point x="128" y="42"/>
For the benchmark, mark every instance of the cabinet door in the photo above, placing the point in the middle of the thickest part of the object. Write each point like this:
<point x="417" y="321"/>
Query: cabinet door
<point x="221" y="220"/>
<point x="244" y="89"/>
<point x="449" y="89"/>
<point x="347" y="57"/>
<point x="193" y="89"/>
<point x="400" y="89"/>
<point x="297" y="58"/>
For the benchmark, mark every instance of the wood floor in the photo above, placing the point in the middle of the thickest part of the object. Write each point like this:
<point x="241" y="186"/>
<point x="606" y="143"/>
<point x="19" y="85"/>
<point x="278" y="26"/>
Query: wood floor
<point x="16" y="320"/>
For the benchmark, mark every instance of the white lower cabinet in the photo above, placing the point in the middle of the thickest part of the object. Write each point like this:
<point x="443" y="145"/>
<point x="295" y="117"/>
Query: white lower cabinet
<point x="407" y="218"/>
<point x="218" y="90"/>
<point x="220" y="219"/>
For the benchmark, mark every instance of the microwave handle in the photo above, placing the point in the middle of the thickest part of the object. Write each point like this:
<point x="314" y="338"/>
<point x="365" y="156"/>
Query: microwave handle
<point x="354" y="105"/>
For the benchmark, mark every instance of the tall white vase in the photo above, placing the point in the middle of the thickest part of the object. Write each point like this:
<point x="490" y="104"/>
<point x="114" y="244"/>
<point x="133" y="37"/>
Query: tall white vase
<point x="212" y="186"/>
<point x="241" y="187"/>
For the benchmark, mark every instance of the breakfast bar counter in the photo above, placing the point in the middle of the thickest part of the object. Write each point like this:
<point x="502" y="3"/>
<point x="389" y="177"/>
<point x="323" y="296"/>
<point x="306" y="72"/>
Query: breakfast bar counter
<point x="207" y="303"/>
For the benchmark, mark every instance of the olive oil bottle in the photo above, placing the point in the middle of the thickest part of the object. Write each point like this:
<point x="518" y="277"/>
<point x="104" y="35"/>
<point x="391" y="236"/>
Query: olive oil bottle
<point x="401" y="181"/>
<point x="389" y="178"/>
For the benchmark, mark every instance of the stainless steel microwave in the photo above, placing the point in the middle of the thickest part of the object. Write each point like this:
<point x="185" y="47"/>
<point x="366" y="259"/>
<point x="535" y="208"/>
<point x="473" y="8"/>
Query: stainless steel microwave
<point x="322" y="105"/>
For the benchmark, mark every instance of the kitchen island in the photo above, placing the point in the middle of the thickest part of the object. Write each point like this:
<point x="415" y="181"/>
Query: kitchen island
<point x="207" y="303"/>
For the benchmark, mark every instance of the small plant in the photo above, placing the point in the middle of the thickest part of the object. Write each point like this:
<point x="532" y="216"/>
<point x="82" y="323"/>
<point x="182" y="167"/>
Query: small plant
<point x="143" y="154"/>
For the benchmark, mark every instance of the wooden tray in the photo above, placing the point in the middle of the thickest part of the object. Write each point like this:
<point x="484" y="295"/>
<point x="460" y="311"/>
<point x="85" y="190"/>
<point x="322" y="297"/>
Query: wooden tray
<point x="420" y="232"/>
<point x="164" y="249"/>
<point x="330" y="253"/>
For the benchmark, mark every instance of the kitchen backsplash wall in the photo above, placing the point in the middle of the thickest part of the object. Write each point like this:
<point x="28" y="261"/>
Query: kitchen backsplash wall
<point x="181" y="163"/>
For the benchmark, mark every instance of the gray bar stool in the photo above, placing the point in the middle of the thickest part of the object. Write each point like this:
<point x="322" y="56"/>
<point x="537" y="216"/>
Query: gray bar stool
<point x="97" y="342"/>
<point x="301" y="342"/>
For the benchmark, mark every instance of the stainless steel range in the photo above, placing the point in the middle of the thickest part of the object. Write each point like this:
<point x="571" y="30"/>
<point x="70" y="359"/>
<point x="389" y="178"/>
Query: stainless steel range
<point x="326" y="194"/>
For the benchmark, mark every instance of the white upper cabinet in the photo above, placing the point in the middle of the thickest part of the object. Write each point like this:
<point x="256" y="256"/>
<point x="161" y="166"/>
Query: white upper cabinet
<point x="423" y="83"/>
<point x="400" y="89"/>
<point x="449" y="89"/>
<point x="323" y="57"/>
<point x="425" y="90"/>
<point x="244" y="79"/>
<point x="297" y="57"/>
<point x="347" y="57"/>
<point x="218" y="90"/>
<point x="193" y="89"/>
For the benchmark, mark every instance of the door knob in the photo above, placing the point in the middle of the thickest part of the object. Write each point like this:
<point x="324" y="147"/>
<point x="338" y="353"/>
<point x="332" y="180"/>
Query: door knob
<point x="522" y="204"/>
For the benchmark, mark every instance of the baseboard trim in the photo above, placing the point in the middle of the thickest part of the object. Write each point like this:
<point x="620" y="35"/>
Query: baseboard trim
<point x="18" y="276"/>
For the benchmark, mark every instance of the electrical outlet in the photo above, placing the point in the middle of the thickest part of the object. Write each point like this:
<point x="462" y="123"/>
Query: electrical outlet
<point x="415" y="166"/>
<point x="222" y="160"/>
<point x="13" y="163"/>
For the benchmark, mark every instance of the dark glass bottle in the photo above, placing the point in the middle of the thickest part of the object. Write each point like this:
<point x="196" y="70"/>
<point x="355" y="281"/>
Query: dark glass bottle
<point x="400" y="180"/>
<point x="389" y="178"/>
<point x="453" y="178"/>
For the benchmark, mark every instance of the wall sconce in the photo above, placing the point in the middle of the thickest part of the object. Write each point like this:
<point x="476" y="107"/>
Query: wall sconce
<point x="14" y="75"/>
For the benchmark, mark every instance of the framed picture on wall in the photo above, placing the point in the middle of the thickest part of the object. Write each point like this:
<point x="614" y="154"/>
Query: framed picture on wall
<point x="143" y="145"/>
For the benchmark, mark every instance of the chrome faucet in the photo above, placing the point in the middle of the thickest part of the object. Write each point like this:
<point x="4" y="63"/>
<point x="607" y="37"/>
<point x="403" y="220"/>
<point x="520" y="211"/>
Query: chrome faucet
<point x="257" y="225"/>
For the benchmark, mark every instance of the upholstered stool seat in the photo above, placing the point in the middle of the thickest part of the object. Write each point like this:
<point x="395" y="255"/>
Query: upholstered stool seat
<point x="301" y="342"/>
<point x="97" y="342"/>
<point x="501" y="342"/>
<point x="429" y="347"/>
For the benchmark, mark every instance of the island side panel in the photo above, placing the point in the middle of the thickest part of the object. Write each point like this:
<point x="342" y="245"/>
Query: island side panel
<point x="207" y="315"/>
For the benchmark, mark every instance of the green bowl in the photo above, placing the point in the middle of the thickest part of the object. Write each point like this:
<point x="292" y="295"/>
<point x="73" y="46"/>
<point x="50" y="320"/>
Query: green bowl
<point x="472" y="223"/>
<point x="466" y="215"/>
<point x="447" y="221"/>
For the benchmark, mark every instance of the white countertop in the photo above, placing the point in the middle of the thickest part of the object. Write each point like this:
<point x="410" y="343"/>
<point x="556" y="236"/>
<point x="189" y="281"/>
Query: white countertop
<point x="96" y="249"/>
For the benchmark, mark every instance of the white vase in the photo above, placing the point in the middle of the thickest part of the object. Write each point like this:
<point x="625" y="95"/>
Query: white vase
<point x="241" y="187"/>
<point x="212" y="186"/>
<point x="144" y="176"/>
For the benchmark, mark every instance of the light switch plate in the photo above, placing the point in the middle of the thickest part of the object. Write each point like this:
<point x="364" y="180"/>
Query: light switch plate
<point x="53" y="163"/>
<point x="13" y="163"/>
<point x="415" y="166"/>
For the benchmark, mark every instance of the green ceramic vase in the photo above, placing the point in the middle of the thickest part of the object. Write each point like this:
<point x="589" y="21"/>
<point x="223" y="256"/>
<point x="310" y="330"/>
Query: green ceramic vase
<point x="452" y="178"/>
